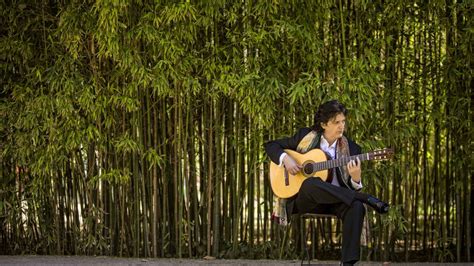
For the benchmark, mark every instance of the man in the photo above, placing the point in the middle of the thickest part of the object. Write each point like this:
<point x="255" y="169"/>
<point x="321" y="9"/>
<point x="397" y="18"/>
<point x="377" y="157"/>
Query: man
<point x="339" y="194"/>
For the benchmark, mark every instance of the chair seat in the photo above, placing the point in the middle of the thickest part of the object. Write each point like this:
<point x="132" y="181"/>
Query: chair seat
<point x="317" y="215"/>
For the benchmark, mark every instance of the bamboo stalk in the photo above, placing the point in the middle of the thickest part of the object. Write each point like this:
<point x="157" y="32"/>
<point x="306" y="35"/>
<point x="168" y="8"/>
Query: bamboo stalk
<point x="210" y="183"/>
<point x="216" y="221"/>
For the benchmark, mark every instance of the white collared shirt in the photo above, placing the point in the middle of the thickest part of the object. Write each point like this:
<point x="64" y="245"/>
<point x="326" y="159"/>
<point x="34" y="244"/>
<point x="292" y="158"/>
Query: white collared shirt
<point x="331" y="151"/>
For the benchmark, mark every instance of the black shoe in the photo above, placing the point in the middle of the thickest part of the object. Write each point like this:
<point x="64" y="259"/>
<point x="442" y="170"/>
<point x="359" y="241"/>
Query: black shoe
<point x="347" y="263"/>
<point x="378" y="205"/>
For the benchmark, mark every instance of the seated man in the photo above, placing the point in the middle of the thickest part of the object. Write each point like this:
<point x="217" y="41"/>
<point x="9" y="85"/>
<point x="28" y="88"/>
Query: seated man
<point x="339" y="194"/>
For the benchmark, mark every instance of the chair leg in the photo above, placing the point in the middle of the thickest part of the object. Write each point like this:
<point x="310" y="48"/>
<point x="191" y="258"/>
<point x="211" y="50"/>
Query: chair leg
<point x="283" y="244"/>
<point x="314" y="224"/>
<point x="306" y="248"/>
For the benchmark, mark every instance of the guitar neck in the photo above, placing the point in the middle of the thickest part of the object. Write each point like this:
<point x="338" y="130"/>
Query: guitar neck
<point x="339" y="162"/>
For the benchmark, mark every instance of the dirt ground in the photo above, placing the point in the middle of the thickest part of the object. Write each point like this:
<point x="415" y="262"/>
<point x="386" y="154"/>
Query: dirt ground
<point x="84" y="260"/>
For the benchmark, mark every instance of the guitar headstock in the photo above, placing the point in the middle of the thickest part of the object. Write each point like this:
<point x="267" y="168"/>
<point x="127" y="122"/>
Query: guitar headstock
<point x="383" y="154"/>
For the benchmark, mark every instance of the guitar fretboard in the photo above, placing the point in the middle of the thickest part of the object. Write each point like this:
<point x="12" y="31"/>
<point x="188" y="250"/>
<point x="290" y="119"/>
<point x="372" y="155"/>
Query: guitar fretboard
<point x="338" y="162"/>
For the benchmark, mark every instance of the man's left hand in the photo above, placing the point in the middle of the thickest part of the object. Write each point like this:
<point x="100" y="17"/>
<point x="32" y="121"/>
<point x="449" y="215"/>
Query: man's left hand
<point x="354" y="170"/>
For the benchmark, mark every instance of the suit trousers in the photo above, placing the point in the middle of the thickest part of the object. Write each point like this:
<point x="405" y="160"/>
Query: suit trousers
<point x="317" y="196"/>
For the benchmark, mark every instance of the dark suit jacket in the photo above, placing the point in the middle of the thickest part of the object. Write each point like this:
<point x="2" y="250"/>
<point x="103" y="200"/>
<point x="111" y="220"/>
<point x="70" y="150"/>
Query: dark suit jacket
<point x="275" y="148"/>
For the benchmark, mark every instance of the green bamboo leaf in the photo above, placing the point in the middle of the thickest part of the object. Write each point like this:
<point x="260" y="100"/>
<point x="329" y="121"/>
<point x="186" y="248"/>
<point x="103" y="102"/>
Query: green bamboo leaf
<point x="125" y="144"/>
<point x="153" y="158"/>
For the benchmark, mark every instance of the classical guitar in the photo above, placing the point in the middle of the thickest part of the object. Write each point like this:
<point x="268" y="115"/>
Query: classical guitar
<point x="314" y="163"/>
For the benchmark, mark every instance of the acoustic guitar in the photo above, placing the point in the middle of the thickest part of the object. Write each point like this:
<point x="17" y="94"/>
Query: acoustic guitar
<point x="315" y="163"/>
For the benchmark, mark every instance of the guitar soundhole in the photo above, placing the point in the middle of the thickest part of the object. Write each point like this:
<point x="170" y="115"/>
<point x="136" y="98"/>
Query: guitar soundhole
<point x="308" y="169"/>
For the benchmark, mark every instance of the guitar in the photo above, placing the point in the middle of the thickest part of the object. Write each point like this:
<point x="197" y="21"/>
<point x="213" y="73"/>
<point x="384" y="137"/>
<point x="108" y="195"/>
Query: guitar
<point x="315" y="163"/>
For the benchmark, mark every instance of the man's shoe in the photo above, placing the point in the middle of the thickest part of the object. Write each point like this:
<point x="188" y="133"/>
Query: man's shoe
<point x="346" y="264"/>
<point x="378" y="205"/>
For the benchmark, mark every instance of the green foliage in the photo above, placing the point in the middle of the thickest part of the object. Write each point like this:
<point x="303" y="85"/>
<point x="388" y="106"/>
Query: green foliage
<point x="113" y="176"/>
<point x="121" y="122"/>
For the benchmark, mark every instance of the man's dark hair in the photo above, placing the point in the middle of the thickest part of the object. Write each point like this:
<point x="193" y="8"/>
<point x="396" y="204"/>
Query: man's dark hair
<point x="326" y="112"/>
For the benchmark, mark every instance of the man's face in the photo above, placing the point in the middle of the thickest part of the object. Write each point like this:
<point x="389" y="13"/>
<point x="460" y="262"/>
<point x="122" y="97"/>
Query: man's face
<point x="334" y="128"/>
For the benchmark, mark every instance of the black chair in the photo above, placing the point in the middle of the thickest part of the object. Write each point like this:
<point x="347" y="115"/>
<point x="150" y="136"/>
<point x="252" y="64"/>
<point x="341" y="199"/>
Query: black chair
<point x="313" y="217"/>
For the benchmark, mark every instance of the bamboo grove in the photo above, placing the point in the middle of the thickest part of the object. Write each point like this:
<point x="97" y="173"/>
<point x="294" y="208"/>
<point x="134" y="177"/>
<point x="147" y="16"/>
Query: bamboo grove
<point x="136" y="128"/>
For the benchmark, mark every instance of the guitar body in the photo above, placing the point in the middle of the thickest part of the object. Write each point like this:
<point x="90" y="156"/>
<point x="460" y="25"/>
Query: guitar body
<point x="286" y="185"/>
<point x="314" y="163"/>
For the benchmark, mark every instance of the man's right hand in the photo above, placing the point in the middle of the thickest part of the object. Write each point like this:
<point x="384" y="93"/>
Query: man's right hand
<point x="291" y="165"/>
